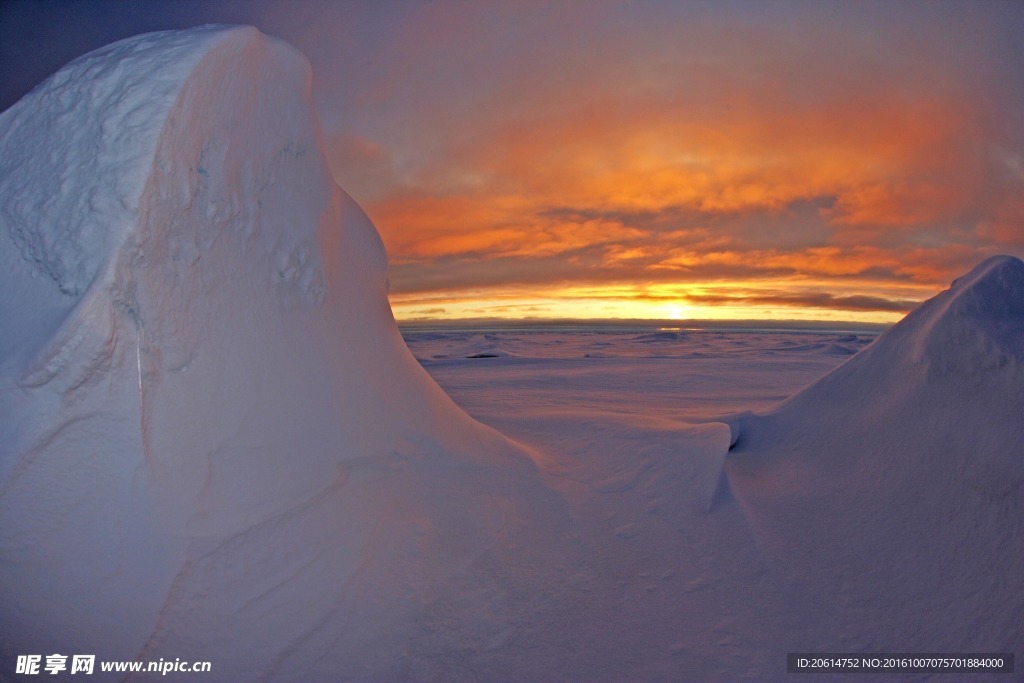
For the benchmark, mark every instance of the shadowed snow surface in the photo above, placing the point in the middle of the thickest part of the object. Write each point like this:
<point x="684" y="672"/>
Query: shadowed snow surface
<point x="896" y="482"/>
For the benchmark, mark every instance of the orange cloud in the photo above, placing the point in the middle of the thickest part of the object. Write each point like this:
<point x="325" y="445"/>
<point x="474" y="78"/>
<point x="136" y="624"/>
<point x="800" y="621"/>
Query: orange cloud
<point x="724" y="155"/>
<point x="489" y="226"/>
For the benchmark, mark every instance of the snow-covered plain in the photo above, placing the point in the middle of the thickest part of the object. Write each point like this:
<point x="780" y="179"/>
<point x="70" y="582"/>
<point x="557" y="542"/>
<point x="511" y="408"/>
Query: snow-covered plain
<point x="638" y="369"/>
<point x="215" y="444"/>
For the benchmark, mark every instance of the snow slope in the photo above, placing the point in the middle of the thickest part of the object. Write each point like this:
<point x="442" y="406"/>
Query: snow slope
<point x="214" y="443"/>
<point x="894" y="485"/>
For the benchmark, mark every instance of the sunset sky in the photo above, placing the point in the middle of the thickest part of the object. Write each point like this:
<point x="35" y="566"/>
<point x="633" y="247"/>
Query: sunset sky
<point x="804" y="160"/>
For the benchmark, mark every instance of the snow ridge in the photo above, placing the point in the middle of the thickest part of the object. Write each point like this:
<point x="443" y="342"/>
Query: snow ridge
<point x="213" y="439"/>
<point x="979" y="322"/>
<point x="903" y="468"/>
<point x="96" y="164"/>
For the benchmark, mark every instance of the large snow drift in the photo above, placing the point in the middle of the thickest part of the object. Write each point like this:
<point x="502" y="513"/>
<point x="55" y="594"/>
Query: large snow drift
<point x="213" y="442"/>
<point x="895" y="484"/>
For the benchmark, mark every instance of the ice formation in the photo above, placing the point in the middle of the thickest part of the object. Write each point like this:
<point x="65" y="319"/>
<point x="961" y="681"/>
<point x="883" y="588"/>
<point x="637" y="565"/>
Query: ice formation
<point x="214" y="443"/>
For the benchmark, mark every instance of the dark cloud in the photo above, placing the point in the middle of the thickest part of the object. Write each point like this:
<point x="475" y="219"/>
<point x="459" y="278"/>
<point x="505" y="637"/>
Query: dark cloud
<point x="809" y="300"/>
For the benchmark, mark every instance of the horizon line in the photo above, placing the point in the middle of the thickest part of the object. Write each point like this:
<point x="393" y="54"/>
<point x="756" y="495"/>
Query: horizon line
<point x="645" y="323"/>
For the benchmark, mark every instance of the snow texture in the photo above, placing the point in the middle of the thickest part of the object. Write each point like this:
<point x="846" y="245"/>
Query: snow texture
<point x="897" y="480"/>
<point x="215" y="444"/>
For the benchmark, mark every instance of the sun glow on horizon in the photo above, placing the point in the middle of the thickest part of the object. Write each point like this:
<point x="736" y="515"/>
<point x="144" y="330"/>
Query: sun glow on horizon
<point x="677" y="312"/>
<point x="731" y="301"/>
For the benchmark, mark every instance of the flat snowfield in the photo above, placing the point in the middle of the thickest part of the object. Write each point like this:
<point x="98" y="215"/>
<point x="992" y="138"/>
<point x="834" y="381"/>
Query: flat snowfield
<point x="505" y="378"/>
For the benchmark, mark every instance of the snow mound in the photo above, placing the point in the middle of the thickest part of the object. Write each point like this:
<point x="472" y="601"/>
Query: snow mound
<point x="835" y="348"/>
<point x="896" y="482"/>
<point x="214" y="444"/>
<point x="661" y="336"/>
<point x="494" y="352"/>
